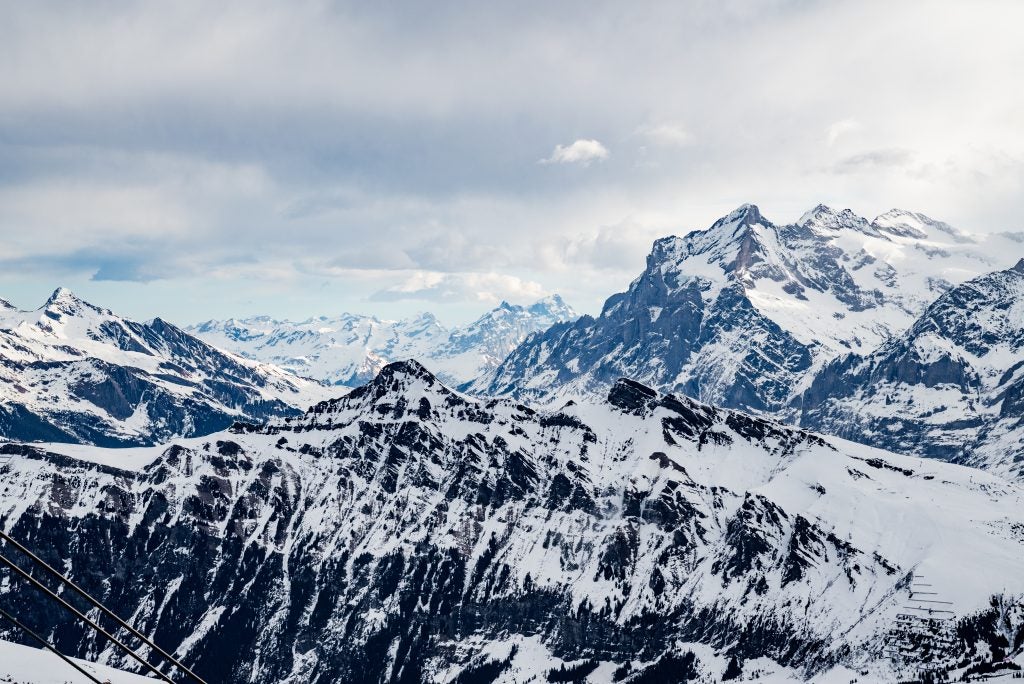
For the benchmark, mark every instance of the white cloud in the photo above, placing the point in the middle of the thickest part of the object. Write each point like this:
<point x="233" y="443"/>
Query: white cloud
<point x="583" y="151"/>
<point x="488" y="288"/>
<point x="841" y="128"/>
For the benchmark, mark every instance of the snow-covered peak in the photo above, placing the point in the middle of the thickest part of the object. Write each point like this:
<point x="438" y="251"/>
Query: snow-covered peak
<point x="62" y="294"/>
<point x="554" y="307"/>
<point x="422" y="324"/>
<point x="739" y="225"/>
<point x="64" y="300"/>
<point x="745" y="312"/>
<point x="911" y="224"/>
<point x="743" y="215"/>
<point x="349" y="349"/>
<point x="72" y="371"/>
<point x="403" y="372"/>
<point x="824" y="218"/>
<point x="732" y="245"/>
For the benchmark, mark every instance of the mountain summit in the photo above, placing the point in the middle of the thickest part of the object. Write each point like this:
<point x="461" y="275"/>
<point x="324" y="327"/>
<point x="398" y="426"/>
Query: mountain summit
<point x="71" y="371"/>
<point x="745" y="312"/>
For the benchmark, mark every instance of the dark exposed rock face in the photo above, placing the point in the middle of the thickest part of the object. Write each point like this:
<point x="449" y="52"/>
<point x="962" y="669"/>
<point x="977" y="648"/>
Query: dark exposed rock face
<point x="949" y="388"/>
<point x="380" y="535"/>
<point x="673" y="331"/>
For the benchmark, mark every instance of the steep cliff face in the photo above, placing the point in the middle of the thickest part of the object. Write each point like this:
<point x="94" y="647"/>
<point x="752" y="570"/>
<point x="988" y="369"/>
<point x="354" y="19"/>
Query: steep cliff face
<point x="407" y="533"/>
<point x="950" y="387"/>
<point x="744" y="314"/>
<point x="71" y="371"/>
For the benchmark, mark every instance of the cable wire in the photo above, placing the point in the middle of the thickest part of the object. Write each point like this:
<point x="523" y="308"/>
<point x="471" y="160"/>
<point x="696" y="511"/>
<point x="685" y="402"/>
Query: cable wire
<point x="81" y="616"/>
<point x="46" y="644"/>
<point x="106" y="611"/>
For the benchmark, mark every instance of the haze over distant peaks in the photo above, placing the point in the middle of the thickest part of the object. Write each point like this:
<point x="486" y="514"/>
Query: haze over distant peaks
<point x="349" y="349"/>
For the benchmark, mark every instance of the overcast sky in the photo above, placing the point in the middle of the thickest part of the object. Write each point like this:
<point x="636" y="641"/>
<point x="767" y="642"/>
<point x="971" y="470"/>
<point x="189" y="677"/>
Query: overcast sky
<point x="196" y="160"/>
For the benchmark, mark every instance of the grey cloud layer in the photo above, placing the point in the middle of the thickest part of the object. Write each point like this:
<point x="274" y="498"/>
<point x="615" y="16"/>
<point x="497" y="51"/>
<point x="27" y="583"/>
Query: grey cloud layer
<point x="178" y="140"/>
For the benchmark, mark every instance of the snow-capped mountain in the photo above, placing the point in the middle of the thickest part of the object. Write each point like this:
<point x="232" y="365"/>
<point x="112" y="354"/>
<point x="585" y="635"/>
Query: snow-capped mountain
<point x="71" y="371"/>
<point x="744" y="313"/>
<point x="349" y="349"/>
<point x="408" y="533"/>
<point x="952" y="386"/>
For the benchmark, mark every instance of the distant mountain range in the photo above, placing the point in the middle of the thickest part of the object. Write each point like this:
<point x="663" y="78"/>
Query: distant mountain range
<point x="350" y="349"/>
<point x="71" y="371"/>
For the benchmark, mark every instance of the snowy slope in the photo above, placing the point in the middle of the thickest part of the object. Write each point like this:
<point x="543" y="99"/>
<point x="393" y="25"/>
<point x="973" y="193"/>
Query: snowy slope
<point x="25" y="665"/>
<point x="71" y="371"/>
<point x="406" y="532"/>
<point x="952" y="386"/>
<point x="350" y="349"/>
<point x="744" y="313"/>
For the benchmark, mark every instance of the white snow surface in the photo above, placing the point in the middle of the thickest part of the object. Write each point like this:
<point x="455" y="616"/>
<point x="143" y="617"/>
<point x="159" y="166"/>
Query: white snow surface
<point x="26" y="665"/>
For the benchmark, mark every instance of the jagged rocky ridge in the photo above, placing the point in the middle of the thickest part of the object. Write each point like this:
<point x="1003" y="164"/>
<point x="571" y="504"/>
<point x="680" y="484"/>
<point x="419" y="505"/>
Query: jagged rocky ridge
<point x="950" y="387"/>
<point x="71" y="371"/>
<point x="407" y="533"/>
<point x="745" y="313"/>
<point x="349" y="349"/>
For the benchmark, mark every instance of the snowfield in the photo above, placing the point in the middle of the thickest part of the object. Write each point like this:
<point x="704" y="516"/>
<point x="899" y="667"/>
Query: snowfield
<point x="25" y="665"/>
